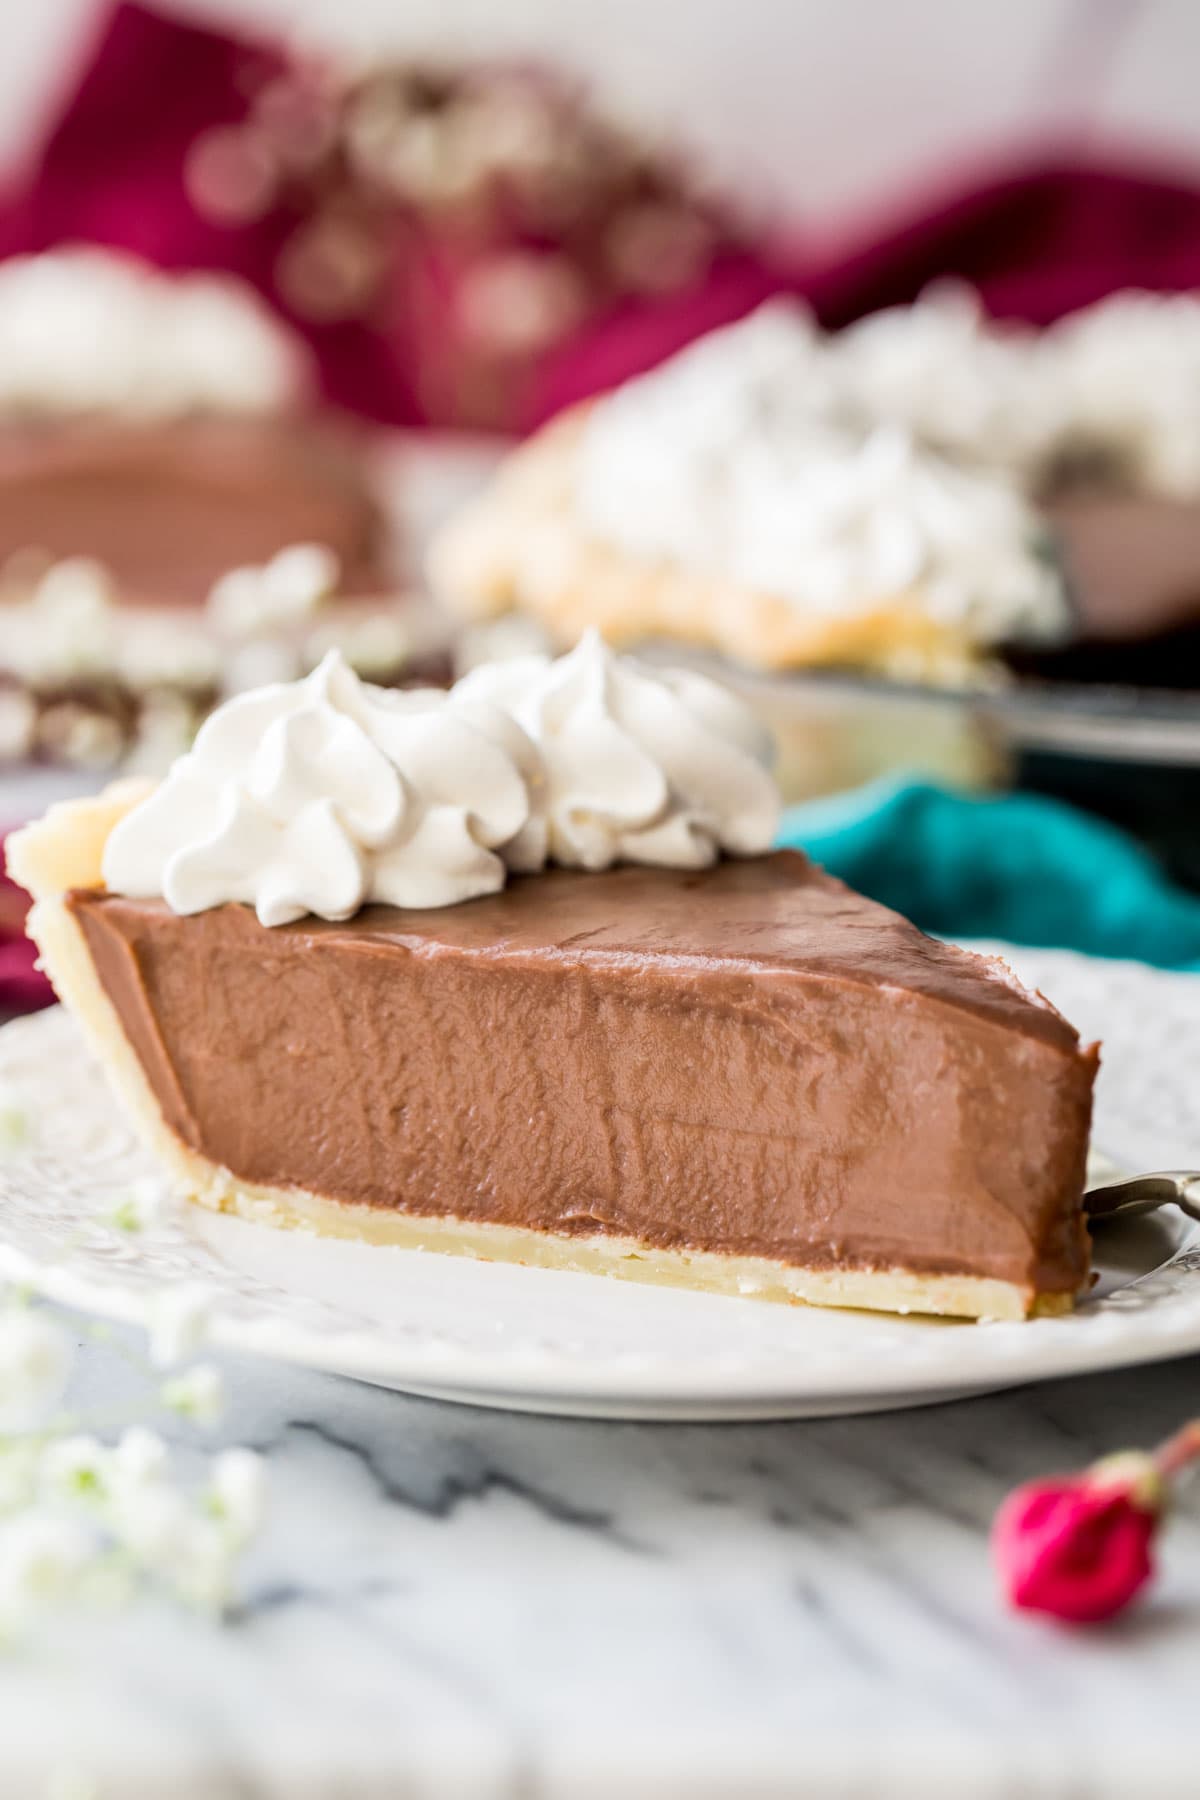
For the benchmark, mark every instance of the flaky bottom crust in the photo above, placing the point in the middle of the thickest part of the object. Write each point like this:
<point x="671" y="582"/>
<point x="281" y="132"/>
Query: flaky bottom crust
<point x="64" y="850"/>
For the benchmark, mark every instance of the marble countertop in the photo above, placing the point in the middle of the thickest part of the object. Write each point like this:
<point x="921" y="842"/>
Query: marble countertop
<point x="452" y="1602"/>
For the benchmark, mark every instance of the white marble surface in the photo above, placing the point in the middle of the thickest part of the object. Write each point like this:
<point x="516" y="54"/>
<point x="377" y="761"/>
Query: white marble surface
<point x="454" y="1602"/>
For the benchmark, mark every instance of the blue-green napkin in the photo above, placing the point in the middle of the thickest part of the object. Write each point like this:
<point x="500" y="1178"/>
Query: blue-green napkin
<point x="1013" y="866"/>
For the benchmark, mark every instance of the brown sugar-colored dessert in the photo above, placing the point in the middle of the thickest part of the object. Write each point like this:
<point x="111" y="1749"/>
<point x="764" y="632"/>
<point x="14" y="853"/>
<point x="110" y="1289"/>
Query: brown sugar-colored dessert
<point x="678" y="1058"/>
<point x="927" y="494"/>
<point x="157" y="432"/>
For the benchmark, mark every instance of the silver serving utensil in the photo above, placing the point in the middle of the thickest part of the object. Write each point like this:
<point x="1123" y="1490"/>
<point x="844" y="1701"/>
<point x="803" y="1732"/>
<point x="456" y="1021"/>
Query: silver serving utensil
<point x="1144" y="1193"/>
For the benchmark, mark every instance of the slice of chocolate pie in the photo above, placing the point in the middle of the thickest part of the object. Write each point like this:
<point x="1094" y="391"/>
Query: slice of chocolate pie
<point x="330" y="974"/>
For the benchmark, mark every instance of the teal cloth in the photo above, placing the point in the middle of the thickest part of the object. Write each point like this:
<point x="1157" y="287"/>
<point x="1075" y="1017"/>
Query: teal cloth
<point x="1013" y="866"/>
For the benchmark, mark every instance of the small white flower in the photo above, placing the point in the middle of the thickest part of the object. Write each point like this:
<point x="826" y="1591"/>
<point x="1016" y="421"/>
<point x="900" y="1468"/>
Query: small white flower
<point x="198" y="1394"/>
<point x="42" y="1559"/>
<point x="76" y="1468"/>
<point x="138" y="1207"/>
<point x="178" y="1320"/>
<point x="159" y="1528"/>
<point x="237" y="1493"/>
<point x="140" y="1460"/>
<point x="35" y="1362"/>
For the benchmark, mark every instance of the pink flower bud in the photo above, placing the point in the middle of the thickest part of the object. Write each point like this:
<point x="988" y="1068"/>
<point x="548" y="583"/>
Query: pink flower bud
<point x="1079" y="1547"/>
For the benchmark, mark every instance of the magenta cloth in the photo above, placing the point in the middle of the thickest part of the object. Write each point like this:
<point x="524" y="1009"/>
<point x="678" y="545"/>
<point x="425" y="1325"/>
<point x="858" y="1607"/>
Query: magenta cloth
<point x="1037" y="242"/>
<point x="23" y="988"/>
<point x="111" y="171"/>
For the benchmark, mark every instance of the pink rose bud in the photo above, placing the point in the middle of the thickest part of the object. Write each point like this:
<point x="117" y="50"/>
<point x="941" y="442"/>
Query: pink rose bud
<point x="1079" y="1547"/>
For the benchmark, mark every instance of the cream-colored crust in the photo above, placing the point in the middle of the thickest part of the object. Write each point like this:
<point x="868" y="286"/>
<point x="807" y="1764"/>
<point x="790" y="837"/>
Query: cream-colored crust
<point x="520" y="546"/>
<point x="64" y="851"/>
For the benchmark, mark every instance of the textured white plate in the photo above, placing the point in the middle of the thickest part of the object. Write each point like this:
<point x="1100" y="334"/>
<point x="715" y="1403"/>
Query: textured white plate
<point x="540" y="1341"/>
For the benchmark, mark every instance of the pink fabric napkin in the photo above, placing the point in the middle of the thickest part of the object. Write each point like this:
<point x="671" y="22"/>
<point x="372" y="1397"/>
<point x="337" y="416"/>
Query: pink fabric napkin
<point x="23" y="988"/>
<point x="1038" y="241"/>
<point x="112" y="170"/>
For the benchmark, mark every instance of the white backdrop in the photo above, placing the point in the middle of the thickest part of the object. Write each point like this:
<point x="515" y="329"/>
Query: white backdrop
<point x="832" y="107"/>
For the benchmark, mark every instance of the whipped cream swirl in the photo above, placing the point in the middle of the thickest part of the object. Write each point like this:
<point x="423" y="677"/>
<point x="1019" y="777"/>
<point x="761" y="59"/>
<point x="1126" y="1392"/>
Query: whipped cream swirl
<point x="642" y="765"/>
<point x="321" y="795"/>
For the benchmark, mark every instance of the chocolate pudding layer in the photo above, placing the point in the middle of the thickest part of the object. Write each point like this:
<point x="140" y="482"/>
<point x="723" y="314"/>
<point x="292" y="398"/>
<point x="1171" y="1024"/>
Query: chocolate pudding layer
<point x="750" y="1060"/>
<point x="169" y="508"/>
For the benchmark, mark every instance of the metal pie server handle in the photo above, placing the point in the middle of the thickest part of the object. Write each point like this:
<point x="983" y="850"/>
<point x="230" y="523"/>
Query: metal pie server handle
<point x="1143" y="1193"/>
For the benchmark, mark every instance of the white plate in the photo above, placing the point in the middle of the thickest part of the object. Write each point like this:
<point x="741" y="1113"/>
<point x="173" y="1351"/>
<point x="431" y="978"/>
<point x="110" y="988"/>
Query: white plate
<point x="539" y="1341"/>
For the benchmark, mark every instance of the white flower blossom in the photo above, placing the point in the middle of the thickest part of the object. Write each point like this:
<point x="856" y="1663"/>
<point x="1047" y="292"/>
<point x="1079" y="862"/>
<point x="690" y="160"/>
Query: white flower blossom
<point x="42" y="1560"/>
<point x="237" y="1493"/>
<point x="95" y="1523"/>
<point x="193" y="1555"/>
<point x="139" y="1460"/>
<point x="198" y="1394"/>
<point x="35" y="1363"/>
<point x="178" y="1321"/>
<point x="76" y="1468"/>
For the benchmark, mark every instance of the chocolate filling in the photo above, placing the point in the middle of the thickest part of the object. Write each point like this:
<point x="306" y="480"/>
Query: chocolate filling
<point x="751" y="1059"/>
<point x="168" y="508"/>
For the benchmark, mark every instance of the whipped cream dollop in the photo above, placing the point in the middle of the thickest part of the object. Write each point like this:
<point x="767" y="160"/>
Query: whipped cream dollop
<point x="717" y="459"/>
<point x="322" y="795"/>
<point x="67" y="625"/>
<point x="856" y="526"/>
<point x="1124" y="378"/>
<point x="744" y="459"/>
<point x="659" y="456"/>
<point x="87" y="330"/>
<point x="956" y="380"/>
<point x="642" y="764"/>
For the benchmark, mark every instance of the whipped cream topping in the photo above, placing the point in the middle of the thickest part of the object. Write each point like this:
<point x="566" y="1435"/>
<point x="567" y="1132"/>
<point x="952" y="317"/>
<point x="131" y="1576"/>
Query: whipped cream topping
<point x="899" y="456"/>
<point x="739" y="460"/>
<point x="642" y="764"/>
<point x="1125" y="377"/>
<point x="65" y="622"/>
<point x="857" y="526"/>
<point x="658" y="455"/>
<point x="957" y="381"/>
<point x="68" y="625"/>
<point x="260" y="597"/>
<point x="88" y="330"/>
<point x="322" y="795"/>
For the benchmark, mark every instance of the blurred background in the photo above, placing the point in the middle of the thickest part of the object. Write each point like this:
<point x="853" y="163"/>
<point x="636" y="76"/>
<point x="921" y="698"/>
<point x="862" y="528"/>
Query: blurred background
<point x="823" y="111"/>
<point x="283" y="285"/>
